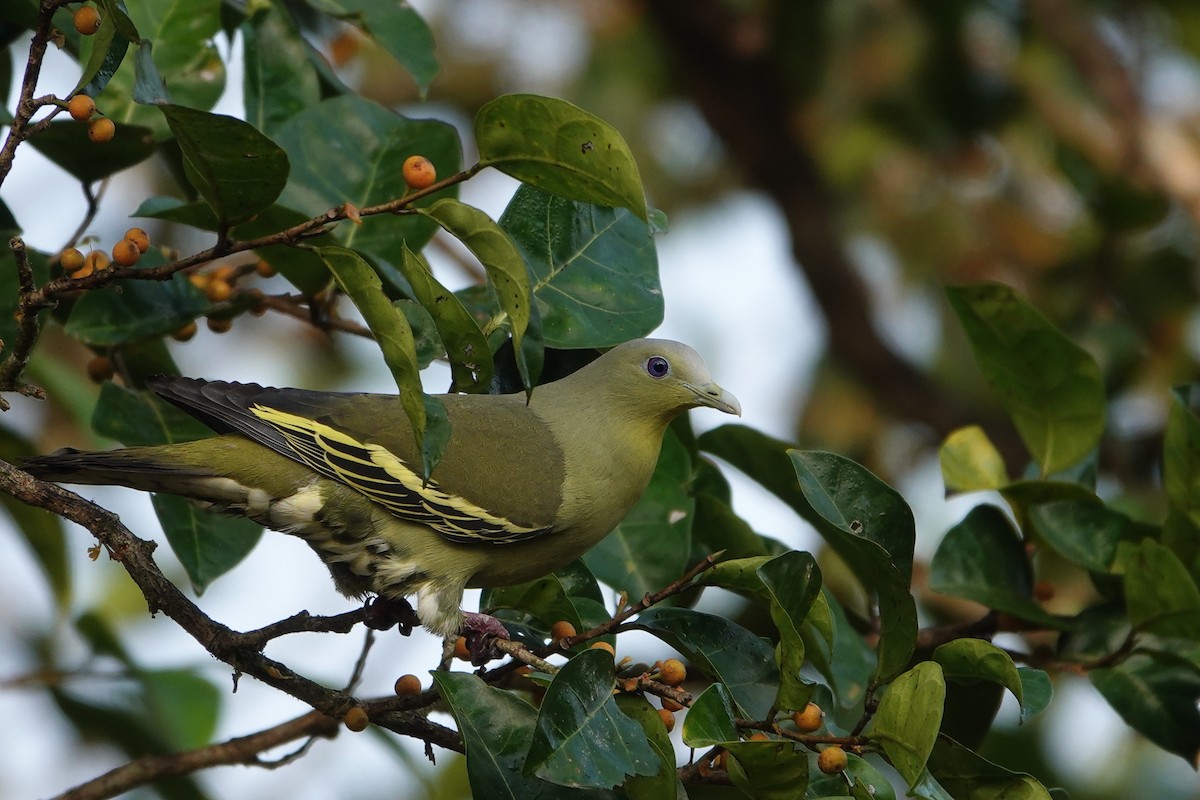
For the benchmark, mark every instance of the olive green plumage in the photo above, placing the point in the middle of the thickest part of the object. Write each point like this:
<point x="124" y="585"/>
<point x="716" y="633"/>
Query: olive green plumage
<point x="523" y="487"/>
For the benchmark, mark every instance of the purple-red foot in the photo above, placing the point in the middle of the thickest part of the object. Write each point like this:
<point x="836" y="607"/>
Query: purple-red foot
<point x="384" y="612"/>
<point x="481" y="630"/>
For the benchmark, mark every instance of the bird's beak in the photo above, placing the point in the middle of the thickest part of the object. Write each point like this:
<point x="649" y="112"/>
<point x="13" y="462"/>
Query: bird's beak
<point x="713" y="396"/>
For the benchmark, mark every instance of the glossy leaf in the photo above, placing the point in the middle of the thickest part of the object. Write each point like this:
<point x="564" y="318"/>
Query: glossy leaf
<point x="106" y="50"/>
<point x="709" y="721"/>
<point x="581" y="738"/>
<point x="908" y="719"/>
<point x="1161" y="596"/>
<point x="1050" y="386"/>
<point x="872" y="528"/>
<point x="976" y="659"/>
<point x="969" y="776"/>
<point x="559" y="148"/>
<point x="866" y="782"/>
<point x="970" y="462"/>
<point x="649" y="548"/>
<point x="1036" y="691"/>
<point x="565" y="594"/>
<point x="982" y="559"/>
<point x="594" y="268"/>
<point x="135" y="309"/>
<point x="768" y="770"/>
<point x="1181" y="453"/>
<point x="235" y="168"/>
<point x="279" y="81"/>
<point x="1157" y="695"/>
<point x="792" y="582"/>
<point x="431" y="427"/>
<point x="398" y="29"/>
<point x="68" y="146"/>
<point x="733" y="655"/>
<point x="1084" y="532"/>
<point x="665" y="785"/>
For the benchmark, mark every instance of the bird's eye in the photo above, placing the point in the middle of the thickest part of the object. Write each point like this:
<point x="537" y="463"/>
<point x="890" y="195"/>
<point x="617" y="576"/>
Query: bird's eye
<point x="657" y="366"/>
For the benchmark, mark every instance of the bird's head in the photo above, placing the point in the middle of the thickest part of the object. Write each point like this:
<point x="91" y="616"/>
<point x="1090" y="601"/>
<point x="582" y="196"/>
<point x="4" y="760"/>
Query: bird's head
<point x="663" y="377"/>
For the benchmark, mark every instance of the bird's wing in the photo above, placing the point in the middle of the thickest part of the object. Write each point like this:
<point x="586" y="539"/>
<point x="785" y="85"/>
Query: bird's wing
<point x="324" y="431"/>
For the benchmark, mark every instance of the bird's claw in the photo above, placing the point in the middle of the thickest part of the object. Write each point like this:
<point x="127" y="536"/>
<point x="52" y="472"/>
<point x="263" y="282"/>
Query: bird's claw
<point x="481" y="630"/>
<point x="384" y="612"/>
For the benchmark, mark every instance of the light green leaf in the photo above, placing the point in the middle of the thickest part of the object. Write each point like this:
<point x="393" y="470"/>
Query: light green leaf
<point x="909" y="717"/>
<point x="970" y="462"/>
<point x="709" y="721"/>
<point x="976" y="659"/>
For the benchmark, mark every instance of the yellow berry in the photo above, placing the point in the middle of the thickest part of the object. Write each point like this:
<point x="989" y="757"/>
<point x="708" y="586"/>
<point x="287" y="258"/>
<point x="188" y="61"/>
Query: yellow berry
<point x="561" y="630"/>
<point x="603" y="646"/>
<point x="199" y="280"/>
<point x="217" y="291"/>
<point x="101" y="129"/>
<point x="264" y="269"/>
<point x="185" y="333"/>
<point x="672" y="672"/>
<point x="81" y="107"/>
<point x="461" y="652"/>
<point x="220" y="325"/>
<point x="668" y="719"/>
<point x="87" y="20"/>
<point x="126" y="253"/>
<point x="408" y="684"/>
<point x="97" y="260"/>
<point x="71" y="260"/>
<point x="139" y="237"/>
<point x="809" y="719"/>
<point x="100" y="369"/>
<point x="419" y="172"/>
<point x="356" y="719"/>
<point x="832" y="760"/>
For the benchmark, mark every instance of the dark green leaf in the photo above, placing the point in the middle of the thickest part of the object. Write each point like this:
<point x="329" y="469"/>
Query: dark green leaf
<point x="567" y="594"/>
<point x="559" y="148"/>
<point x="1037" y="691"/>
<point x="68" y="146"/>
<point x="970" y="462"/>
<point x="42" y="531"/>
<point x="768" y="770"/>
<point x="909" y="717"/>
<point x="976" y="659"/>
<point x="128" y="310"/>
<point x="1161" y="596"/>
<point x="183" y="705"/>
<point x="105" y="50"/>
<point x="742" y="661"/>
<point x="148" y="86"/>
<point x="793" y="583"/>
<point x="426" y="342"/>
<point x="969" y="776"/>
<point x="279" y="82"/>
<point x="718" y="527"/>
<point x="1096" y="633"/>
<point x="1181" y="453"/>
<point x="1084" y="532"/>
<point x="665" y="785"/>
<point x="141" y="419"/>
<point x="867" y="782"/>
<point x="1050" y="386"/>
<point x="235" y="168"/>
<point x="397" y="28"/>
<point x="1156" y="695"/>
<point x="594" y="269"/>
<point x="581" y="738"/>
<point x="709" y="721"/>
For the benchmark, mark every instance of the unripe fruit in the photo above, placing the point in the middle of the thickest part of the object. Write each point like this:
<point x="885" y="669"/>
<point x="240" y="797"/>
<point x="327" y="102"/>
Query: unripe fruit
<point x="96" y="260"/>
<point x="668" y="719"/>
<point x="81" y="107"/>
<point x="101" y="129"/>
<point x="87" y="20"/>
<point x="99" y="369"/>
<point x="419" y="172"/>
<point x="408" y="685"/>
<point x="809" y="719"/>
<point x="71" y="260"/>
<point x="185" y="333"/>
<point x="603" y="646"/>
<point x="139" y="237"/>
<point x="832" y="760"/>
<point x="218" y="291"/>
<point x="356" y="719"/>
<point x="460" y="649"/>
<point x="672" y="672"/>
<point x="126" y="253"/>
<point x="220" y="325"/>
<point x="671" y="705"/>
<point x="561" y="630"/>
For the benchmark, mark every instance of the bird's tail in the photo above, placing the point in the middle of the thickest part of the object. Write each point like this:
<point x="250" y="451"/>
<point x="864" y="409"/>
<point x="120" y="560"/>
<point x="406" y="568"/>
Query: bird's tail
<point x="136" y="467"/>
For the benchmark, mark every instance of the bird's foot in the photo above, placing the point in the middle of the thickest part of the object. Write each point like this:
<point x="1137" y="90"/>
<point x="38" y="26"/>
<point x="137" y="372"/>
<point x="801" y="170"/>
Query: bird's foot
<point x="383" y="613"/>
<point x="481" y="630"/>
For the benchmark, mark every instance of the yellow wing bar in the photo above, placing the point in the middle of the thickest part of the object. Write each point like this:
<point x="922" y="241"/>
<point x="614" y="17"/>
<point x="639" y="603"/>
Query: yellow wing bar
<point x="380" y="475"/>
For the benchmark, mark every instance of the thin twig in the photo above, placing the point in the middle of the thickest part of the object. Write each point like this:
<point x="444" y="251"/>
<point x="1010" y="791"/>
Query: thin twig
<point x="26" y="105"/>
<point x="27" y="331"/>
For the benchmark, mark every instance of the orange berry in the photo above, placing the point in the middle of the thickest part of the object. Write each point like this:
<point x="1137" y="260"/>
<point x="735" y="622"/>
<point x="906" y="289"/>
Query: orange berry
<point x="758" y="736"/>
<point x="668" y="719"/>
<point x="217" y="291"/>
<point x="185" y="333"/>
<point x="1044" y="591"/>
<point x="809" y="719"/>
<point x="671" y="705"/>
<point x="832" y="760"/>
<point x="97" y="260"/>
<point x="672" y="672"/>
<point x="356" y="719"/>
<point x="101" y="129"/>
<point x="264" y="269"/>
<point x="561" y="630"/>
<point x="408" y="684"/>
<point x="224" y="272"/>
<point x="126" y="253"/>
<point x="84" y="271"/>
<point x="81" y="107"/>
<point x="87" y="20"/>
<point x="460" y="649"/>
<point x="603" y="646"/>
<point x="139" y="237"/>
<point x="419" y="172"/>
<point x="71" y="259"/>
<point x="100" y="369"/>
<point x="220" y="325"/>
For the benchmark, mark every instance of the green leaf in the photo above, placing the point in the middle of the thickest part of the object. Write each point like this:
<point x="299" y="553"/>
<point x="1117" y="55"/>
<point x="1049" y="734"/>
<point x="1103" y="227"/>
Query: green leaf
<point x="567" y="594"/>
<point x="129" y="310"/>
<point x="105" y="51"/>
<point x="970" y="462"/>
<point x="709" y="721"/>
<point x="1036" y="690"/>
<point x="279" y="80"/>
<point x="1161" y="596"/>
<point x="10" y="287"/>
<point x="866" y="782"/>
<point x="42" y="531"/>
<point x="497" y="728"/>
<point x="235" y="168"/>
<point x="364" y="168"/>
<point x="969" y="776"/>
<point x="470" y="357"/>
<point x="665" y="785"/>
<point x="1084" y="532"/>
<point x="501" y="261"/>
<point x="182" y="705"/>
<point x="149" y="88"/>
<point x="717" y="527"/>
<point x="733" y="655"/>
<point x="768" y="770"/>
<point x="397" y="28"/>
<point x="140" y="419"/>
<point x="1156" y="694"/>
<point x="909" y="717"/>
<point x="67" y="145"/>
<point x="793" y="583"/>
<point x="1050" y="386"/>
<point x="581" y="738"/>
<point x="976" y="659"/>
<point x="1181" y="453"/>
<point x="982" y="559"/>
<point x="431" y="427"/>
<point x="872" y="528"/>
<point x="559" y="148"/>
<point x="649" y="548"/>
<point x="594" y="268"/>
